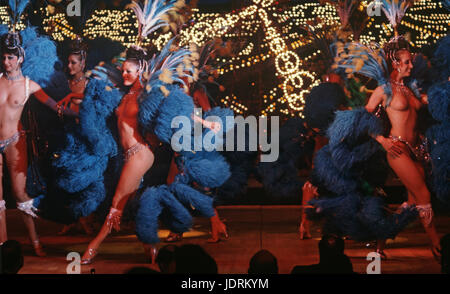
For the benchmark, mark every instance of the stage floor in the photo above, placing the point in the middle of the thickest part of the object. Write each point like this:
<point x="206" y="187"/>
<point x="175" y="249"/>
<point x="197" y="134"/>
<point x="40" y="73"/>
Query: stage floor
<point x="251" y="228"/>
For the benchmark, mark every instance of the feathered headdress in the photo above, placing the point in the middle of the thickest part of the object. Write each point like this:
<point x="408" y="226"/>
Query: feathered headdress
<point x="344" y="9"/>
<point x="150" y="15"/>
<point x="395" y="10"/>
<point x="169" y="66"/>
<point x="367" y="61"/>
<point x="17" y="7"/>
<point x="13" y="40"/>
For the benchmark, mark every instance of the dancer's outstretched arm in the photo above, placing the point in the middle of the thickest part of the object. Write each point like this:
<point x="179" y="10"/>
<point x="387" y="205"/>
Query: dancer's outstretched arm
<point x="40" y="95"/>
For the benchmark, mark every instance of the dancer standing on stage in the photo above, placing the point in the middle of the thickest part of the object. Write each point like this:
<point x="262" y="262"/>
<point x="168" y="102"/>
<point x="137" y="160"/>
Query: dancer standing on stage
<point x="77" y="81"/>
<point x="406" y="149"/>
<point x="137" y="155"/>
<point x="15" y="91"/>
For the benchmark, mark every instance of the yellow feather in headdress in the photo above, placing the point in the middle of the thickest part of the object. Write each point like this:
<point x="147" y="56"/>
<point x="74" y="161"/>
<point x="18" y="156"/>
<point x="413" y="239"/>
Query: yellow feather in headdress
<point x="145" y="75"/>
<point x="359" y="63"/>
<point x="164" y="91"/>
<point x="402" y="6"/>
<point x="179" y="4"/>
<point x="379" y="60"/>
<point x="180" y="69"/>
<point x="166" y="76"/>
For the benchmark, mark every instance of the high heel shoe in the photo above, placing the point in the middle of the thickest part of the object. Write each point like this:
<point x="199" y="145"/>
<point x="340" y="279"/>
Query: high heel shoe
<point x="382" y="255"/>
<point x="38" y="249"/>
<point x="174" y="237"/>
<point x="150" y="252"/>
<point x="436" y="250"/>
<point x="91" y="253"/>
<point x="219" y="230"/>
<point x="65" y="230"/>
<point x="86" y="226"/>
<point x="304" y="233"/>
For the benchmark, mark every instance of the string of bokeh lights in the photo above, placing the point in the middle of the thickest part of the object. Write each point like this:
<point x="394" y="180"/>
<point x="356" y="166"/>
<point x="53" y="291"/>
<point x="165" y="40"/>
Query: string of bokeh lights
<point x="425" y="21"/>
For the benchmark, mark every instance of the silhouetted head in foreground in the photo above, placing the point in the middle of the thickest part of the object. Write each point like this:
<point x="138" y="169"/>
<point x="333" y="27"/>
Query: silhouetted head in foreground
<point x="445" y="252"/>
<point x="193" y="259"/>
<point x="166" y="259"/>
<point x="263" y="262"/>
<point x="11" y="258"/>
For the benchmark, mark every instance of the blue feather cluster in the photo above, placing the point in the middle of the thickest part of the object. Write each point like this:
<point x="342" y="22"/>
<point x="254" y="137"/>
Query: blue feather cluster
<point x="341" y="172"/>
<point x="87" y="155"/>
<point x="321" y="103"/>
<point x="441" y="59"/>
<point x="280" y="178"/>
<point x="40" y="56"/>
<point x="17" y="8"/>
<point x="242" y="164"/>
<point x="439" y="138"/>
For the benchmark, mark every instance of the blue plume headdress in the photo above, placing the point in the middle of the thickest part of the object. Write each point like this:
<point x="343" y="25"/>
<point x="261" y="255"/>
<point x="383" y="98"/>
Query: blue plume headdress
<point x="169" y="66"/>
<point x="368" y="61"/>
<point x="13" y="41"/>
<point x="395" y="10"/>
<point x="17" y="8"/>
<point x="344" y="9"/>
<point x="150" y="15"/>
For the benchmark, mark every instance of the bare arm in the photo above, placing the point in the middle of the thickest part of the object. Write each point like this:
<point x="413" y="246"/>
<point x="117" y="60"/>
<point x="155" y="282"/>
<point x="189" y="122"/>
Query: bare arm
<point x="42" y="97"/>
<point x="391" y="147"/>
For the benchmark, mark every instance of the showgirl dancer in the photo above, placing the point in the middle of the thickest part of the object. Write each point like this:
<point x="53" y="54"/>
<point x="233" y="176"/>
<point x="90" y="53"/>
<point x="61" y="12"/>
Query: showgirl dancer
<point x="138" y="155"/>
<point x="350" y="206"/>
<point x="406" y="150"/>
<point x="197" y="90"/>
<point x="145" y="115"/>
<point x="17" y="85"/>
<point x="76" y="68"/>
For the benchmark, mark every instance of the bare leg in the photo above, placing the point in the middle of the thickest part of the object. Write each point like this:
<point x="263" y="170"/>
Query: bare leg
<point x="16" y="160"/>
<point x="412" y="176"/>
<point x="3" y="232"/>
<point x="84" y="221"/>
<point x="130" y="178"/>
<point x="381" y="244"/>
<point x="308" y="193"/>
<point x="66" y="229"/>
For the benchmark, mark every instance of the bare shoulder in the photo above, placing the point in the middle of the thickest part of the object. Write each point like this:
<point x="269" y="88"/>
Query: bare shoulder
<point x="377" y="97"/>
<point x="34" y="87"/>
<point x="379" y="92"/>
